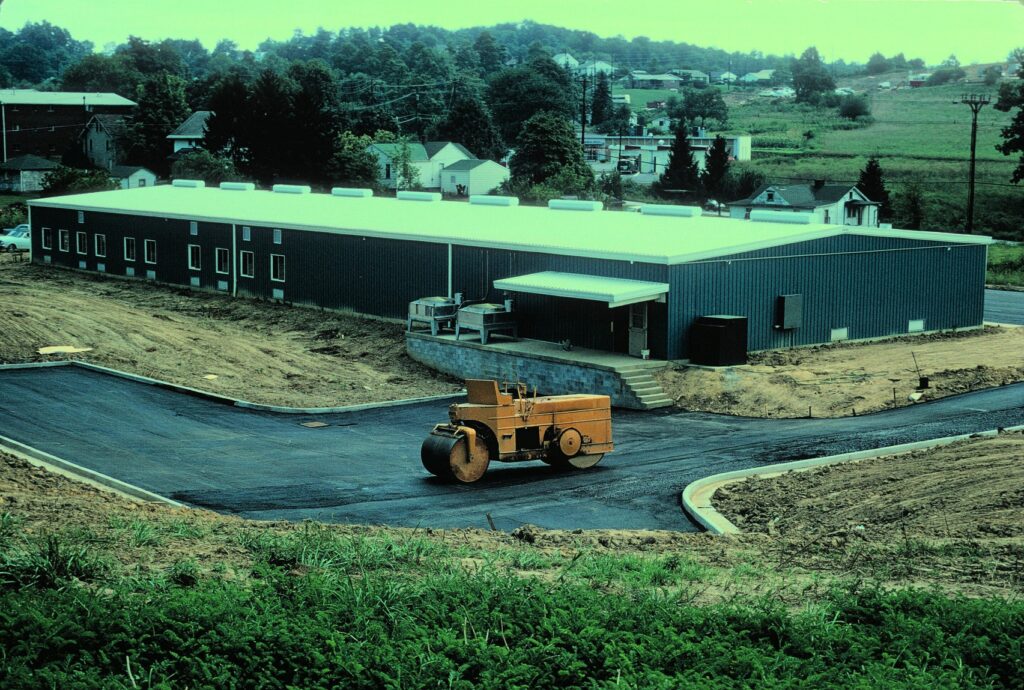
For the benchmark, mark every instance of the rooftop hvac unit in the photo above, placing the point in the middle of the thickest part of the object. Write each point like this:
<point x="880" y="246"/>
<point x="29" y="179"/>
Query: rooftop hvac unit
<point x="419" y="196"/>
<point x="486" y="318"/>
<point x="719" y="340"/>
<point x="238" y="186"/>
<point x="574" y="205"/>
<point x="791" y="217"/>
<point x="352" y="191"/>
<point x="667" y="210"/>
<point x="487" y="200"/>
<point x="188" y="183"/>
<point x="436" y="311"/>
<point x="291" y="189"/>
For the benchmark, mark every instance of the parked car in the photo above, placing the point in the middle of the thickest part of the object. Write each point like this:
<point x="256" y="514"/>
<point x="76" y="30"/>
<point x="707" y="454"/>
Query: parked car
<point x="23" y="226"/>
<point x="17" y="239"/>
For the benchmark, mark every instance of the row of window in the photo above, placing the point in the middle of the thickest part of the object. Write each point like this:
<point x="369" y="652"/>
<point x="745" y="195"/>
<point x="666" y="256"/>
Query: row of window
<point x="246" y="259"/>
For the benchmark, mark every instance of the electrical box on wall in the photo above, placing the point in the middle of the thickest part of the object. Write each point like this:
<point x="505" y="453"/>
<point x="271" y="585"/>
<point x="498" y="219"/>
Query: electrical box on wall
<point x="789" y="312"/>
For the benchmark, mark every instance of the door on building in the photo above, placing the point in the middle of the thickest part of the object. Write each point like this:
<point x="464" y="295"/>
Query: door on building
<point x="637" y="329"/>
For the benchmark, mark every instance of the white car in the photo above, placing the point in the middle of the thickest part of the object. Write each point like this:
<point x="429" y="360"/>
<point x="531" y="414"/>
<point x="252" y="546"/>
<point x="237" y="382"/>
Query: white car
<point x="18" y="239"/>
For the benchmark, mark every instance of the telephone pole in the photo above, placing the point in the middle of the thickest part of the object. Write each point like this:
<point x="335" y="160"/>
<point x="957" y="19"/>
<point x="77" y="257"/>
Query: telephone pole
<point x="583" y="115"/>
<point x="975" y="102"/>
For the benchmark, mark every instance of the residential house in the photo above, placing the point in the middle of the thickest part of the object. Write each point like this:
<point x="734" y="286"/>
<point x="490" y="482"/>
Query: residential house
<point x="657" y="105"/>
<point x="132" y="176"/>
<point x="190" y="133"/>
<point x="723" y="77"/>
<point x="49" y="124"/>
<point x="692" y="76"/>
<point x="836" y="204"/>
<point x="102" y="138"/>
<point x="918" y="80"/>
<point x="647" y="156"/>
<point x="593" y="67"/>
<point x="427" y="159"/>
<point x="472" y="176"/>
<point x="763" y="76"/>
<point x="644" y="80"/>
<point x="25" y="173"/>
<point x="566" y="60"/>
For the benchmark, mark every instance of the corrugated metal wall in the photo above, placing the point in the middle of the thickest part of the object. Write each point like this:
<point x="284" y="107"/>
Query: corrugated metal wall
<point x="846" y="282"/>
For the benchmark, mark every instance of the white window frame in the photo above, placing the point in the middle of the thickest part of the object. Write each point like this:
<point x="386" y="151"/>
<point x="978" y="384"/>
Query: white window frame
<point x="81" y="216"/>
<point x="135" y="252"/>
<point x="197" y="265"/>
<point x="100" y="252"/>
<point x="284" y="273"/>
<point x="146" y="244"/>
<point x="252" y="264"/>
<point x="47" y="238"/>
<point x="246" y="233"/>
<point x="81" y="243"/>
<point x="226" y="253"/>
<point x="277" y="235"/>
<point x="193" y="228"/>
<point x="63" y="240"/>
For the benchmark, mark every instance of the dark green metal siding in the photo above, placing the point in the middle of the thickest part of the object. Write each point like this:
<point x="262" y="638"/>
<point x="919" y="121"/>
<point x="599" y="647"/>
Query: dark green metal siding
<point x="871" y="286"/>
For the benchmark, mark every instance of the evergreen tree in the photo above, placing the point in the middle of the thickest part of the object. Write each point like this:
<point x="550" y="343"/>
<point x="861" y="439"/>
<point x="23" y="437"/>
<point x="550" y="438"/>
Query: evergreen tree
<point x="681" y="178"/>
<point x="469" y="123"/>
<point x="601" y="106"/>
<point x="716" y="168"/>
<point x="269" y="129"/>
<point x="516" y="94"/>
<point x="491" y="55"/>
<point x="352" y="164"/>
<point x="226" y="128"/>
<point x="811" y="79"/>
<point x="547" y="148"/>
<point x="872" y="184"/>
<point x="1011" y="95"/>
<point x="162" y="107"/>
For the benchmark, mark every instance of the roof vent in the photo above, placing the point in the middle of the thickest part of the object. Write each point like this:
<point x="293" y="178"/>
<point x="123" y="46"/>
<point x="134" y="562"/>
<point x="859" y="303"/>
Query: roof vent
<point x="188" y="183"/>
<point x="351" y="191"/>
<point x="419" y="196"/>
<point x="487" y="200"/>
<point x="291" y="189"/>
<point x="238" y="186"/>
<point x="669" y="210"/>
<point x="790" y="217"/>
<point x="574" y="205"/>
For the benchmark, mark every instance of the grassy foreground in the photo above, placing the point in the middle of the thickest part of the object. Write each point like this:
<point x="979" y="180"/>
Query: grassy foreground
<point x="1005" y="265"/>
<point x="318" y="609"/>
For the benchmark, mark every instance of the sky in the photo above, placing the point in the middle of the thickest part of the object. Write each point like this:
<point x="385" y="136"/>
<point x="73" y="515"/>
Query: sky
<point x="975" y="30"/>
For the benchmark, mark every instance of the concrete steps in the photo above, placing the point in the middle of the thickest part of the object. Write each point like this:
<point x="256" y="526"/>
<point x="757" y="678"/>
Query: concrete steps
<point x="646" y="389"/>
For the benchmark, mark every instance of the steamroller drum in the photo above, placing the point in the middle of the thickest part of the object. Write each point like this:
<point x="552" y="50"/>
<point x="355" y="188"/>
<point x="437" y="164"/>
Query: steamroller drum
<point x="565" y="452"/>
<point x="436" y="452"/>
<point x="450" y="457"/>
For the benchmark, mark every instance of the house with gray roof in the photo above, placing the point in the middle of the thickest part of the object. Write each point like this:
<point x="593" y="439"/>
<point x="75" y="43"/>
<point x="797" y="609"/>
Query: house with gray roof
<point x="24" y="173"/>
<point x="189" y="134"/>
<point x="831" y="204"/>
<point x="473" y="176"/>
<point x="102" y="139"/>
<point x="132" y="176"/>
<point x="427" y="159"/>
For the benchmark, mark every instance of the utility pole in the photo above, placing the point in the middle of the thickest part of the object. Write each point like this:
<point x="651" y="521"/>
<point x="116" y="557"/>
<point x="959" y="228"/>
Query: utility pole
<point x="975" y="102"/>
<point x="583" y="114"/>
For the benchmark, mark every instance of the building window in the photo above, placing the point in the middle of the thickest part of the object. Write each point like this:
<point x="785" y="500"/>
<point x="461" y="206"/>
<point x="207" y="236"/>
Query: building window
<point x="277" y="235"/>
<point x="81" y="216"/>
<point x="81" y="243"/>
<point x="101" y="245"/>
<point x="52" y="128"/>
<point x="246" y="233"/>
<point x="827" y="216"/>
<point x="142" y="181"/>
<point x="770" y="196"/>
<point x="453" y="179"/>
<point x="193" y="228"/>
<point x="277" y="267"/>
<point x="387" y="171"/>
<point x="222" y="260"/>
<point x="150" y="251"/>
<point x="195" y="257"/>
<point x="129" y="249"/>
<point x="63" y="240"/>
<point x="47" y="238"/>
<point x="247" y="265"/>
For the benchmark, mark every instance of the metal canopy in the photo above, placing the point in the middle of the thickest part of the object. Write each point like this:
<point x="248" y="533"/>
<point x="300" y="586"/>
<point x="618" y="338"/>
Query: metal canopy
<point x="617" y="292"/>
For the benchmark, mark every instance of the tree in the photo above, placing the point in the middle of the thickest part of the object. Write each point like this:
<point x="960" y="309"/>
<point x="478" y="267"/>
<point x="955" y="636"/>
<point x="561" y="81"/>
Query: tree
<point x="702" y="105"/>
<point x="601" y="106"/>
<point x="113" y="74"/>
<point x="910" y="204"/>
<point x="810" y="78"/>
<point x="716" y="168"/>
<point x="352" y="163"/>
<point x="547" y="148"/>
<point x="872" y="184"/>
<point x="315" y="120"/>
<point x="162" y="107"/>
<point x="681" y="175"/>
<point x="206" y="166"/>
<point x="854" y="107"/>
<point x="226" y="128"/>
<point x="517" y="94"/>
<point x="991" y="75"/>
<point x="1011" y="95"/>
<point x="66" y="180"/>
<point x="490" y="54"/>
<point x="469" y="123"/>
<point x="945" y="76"/>
<point x="877" y="64"/>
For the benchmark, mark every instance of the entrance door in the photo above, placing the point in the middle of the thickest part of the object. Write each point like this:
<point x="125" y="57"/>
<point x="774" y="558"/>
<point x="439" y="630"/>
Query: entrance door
<point x="637" y="328"/>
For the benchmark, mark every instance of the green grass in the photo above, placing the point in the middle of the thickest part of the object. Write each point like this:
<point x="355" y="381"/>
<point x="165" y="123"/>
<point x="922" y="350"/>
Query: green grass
<point x="638" y="98"/>
<point x="1005" y="265"/>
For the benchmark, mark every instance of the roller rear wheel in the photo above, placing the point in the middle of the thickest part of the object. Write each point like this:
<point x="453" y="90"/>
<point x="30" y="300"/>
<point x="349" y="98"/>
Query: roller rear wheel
<point x="565" y="452"/>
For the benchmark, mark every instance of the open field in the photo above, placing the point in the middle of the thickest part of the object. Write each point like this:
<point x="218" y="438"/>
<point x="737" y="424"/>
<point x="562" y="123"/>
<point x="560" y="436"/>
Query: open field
<point x="837" y="380"/>
<point x="1005" y="265"/>
<point x="110" y="592"/>
<point x="256" y="351"/>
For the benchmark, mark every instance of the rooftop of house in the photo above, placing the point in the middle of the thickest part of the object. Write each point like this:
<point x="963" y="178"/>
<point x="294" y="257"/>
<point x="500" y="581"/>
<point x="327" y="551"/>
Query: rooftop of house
<point x="597" y="234"/>
<point x="114" y="124"/>
<point x="800" y="195"/>
<point x="468" y="164"/>
<point x="33" y="97"/>
<point x="28" y="162"/>
<point x="420" y="153"/>
<point x="194" y="127"/>
<point x="122" y="171"/>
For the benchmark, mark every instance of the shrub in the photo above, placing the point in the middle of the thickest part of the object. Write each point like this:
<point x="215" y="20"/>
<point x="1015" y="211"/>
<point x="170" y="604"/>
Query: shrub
<point x="854" y="107"/>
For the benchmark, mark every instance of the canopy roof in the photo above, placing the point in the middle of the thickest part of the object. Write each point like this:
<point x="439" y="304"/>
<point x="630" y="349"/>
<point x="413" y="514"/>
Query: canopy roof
<point x="617" y="292"/>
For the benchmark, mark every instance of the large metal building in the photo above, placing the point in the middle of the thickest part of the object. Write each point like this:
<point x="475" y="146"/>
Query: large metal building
<point x="619" y="282"/>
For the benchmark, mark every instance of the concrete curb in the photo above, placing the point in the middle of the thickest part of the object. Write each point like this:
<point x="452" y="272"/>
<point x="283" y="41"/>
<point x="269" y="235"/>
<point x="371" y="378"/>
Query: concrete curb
<point x="224" y="400"/>
<point x="38" y="457"/>
<point x="696" y="497"/>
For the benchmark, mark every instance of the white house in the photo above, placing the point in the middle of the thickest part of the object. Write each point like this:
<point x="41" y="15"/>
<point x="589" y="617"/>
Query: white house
<point x="593" y="67"/>
<point x="132" y="176"/>
<point x="836" y="204"/>
<point x="190" y="133"/>
<point x="692" y="76"/>
<point x="474" y="176"/>
<point x="759" y="77"/>
<point x="724" y="78"/>
<point x="428" y="159"/>
<point x="566" y="60"/>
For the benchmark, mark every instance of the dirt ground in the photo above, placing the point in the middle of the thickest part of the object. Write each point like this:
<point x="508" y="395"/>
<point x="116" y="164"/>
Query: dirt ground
<point x="241" y="348"/>
<point x="852" y="378"/>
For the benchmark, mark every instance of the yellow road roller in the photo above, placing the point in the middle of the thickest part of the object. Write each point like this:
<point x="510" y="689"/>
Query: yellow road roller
<point x="569" y="431"/>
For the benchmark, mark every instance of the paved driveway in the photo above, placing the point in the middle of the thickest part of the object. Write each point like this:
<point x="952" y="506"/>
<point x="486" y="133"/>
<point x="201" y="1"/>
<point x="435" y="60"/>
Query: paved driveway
<point x="1004" y="306"/>
<point x="365" y="466"/>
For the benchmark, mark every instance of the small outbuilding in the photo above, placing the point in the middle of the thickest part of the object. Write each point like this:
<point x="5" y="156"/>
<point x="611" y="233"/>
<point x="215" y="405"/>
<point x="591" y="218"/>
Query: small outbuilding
<point x="24" y="174"/>
<point x="473" y="176"/>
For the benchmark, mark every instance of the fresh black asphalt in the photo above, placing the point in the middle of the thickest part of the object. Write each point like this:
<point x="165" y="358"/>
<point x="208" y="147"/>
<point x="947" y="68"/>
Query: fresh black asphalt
<point x="365" y="468"/>
<point x="1004" y="306"/>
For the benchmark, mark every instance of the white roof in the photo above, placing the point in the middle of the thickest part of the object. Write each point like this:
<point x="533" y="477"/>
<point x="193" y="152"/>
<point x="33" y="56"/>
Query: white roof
<point x="33" y="97"/>
<point x="617" y="292"/>
<point x="604" y="234"/>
